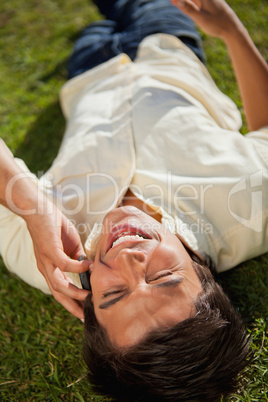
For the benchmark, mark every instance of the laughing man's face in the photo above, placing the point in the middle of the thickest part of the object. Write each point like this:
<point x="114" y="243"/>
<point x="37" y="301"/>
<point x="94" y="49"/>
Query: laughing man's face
<point x="142" y="277"/>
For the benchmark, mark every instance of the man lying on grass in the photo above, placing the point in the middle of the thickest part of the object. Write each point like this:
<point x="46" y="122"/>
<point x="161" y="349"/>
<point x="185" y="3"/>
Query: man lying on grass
<point x="154" y="175"/>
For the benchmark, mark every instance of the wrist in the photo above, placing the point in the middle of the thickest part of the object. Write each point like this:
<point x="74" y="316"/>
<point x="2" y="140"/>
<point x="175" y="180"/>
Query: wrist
<point x="235" y="32"/>
<point x="22" y="195"/>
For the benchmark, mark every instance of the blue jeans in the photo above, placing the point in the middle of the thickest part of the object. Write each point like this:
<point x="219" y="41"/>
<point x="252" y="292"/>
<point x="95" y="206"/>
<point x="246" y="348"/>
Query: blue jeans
<point x="128" y="23"/>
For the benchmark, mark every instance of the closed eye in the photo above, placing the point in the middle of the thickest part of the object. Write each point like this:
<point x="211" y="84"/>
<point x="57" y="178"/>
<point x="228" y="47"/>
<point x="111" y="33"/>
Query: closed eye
<point x="173" y="282"/>
<point x="163" y="274"/>
<point x="113" y="292"/>
<point x="111" y="302"/>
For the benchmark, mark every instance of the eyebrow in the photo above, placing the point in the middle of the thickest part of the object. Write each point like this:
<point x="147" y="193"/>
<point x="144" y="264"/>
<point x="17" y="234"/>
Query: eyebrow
<point x="109" y="303"/>
<point x="171" y="283"/>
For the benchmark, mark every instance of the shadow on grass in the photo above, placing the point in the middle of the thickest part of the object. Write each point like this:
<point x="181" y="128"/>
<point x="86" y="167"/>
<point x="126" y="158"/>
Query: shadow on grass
<point x="42" y="142"/>
<point x="59" y="70"/>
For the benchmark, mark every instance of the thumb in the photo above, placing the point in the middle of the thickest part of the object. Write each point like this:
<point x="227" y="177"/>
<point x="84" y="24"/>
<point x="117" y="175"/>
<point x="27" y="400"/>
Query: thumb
<point x="66" y="264"/>
<point x="189" y="7"/>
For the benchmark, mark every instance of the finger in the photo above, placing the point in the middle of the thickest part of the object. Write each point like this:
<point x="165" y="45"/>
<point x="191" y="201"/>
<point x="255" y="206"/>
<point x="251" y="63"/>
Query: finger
<point x="66" y="264"/>
<point x="74" y="307"/>
<point x="59" y="283"/>
<point x="189" y="7"/>
<point x="200" y="15"/>
<point x="79" y="250"/>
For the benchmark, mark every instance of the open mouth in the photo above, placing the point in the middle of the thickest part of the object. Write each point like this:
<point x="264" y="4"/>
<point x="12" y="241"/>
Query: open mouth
<point x="126" y="233"/>
<point x="127" y="237"/>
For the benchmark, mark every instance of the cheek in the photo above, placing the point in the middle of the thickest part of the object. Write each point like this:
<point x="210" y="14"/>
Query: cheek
<point x="98" y="278"/>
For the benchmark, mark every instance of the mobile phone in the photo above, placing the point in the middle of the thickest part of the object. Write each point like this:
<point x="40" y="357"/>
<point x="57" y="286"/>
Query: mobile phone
<point x="85" y="280"/>
<point x="84" y="276"/>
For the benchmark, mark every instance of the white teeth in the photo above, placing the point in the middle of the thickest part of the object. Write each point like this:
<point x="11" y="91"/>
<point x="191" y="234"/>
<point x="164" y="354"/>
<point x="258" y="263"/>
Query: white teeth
<point x="125" y="237"/>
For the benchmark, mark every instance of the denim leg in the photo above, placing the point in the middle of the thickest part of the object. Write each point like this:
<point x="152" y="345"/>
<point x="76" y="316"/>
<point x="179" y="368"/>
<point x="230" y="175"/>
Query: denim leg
<point x="129" y="22"/>
<point x="106" y="7"/>
<point x="98" y="43"/>
<point x="141" y="18"/>
<point x="123" y="11"/>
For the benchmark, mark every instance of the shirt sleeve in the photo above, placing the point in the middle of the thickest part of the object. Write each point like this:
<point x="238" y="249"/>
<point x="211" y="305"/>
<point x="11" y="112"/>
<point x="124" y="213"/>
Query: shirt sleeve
<point x="248" y="238"/>
<point x="259" y="140"/>
<point x="16" y="247"/>
<point x="261" y="134"/>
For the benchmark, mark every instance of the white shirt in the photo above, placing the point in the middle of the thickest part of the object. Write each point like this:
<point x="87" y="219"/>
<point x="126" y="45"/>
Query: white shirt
<point x="160" y="126"/>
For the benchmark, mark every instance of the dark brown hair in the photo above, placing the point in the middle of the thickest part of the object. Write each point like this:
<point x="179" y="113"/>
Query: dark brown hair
<point x="198" y="359"/>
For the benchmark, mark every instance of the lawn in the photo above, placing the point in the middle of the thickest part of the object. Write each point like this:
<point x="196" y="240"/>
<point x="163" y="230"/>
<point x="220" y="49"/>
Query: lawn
<point x="40" y="343"/>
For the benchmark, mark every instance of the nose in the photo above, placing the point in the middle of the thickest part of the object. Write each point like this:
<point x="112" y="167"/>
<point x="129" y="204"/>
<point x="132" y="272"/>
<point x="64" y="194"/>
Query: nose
<point x="132" y="264"/>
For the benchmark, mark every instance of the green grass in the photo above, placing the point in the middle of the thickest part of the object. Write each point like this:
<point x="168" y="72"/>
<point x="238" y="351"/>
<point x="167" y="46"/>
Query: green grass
<point x="40" y="343"/>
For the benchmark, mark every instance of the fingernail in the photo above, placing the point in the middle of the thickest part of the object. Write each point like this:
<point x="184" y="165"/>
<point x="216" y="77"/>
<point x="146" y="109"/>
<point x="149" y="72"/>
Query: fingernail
<point x="83" y="321"/>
